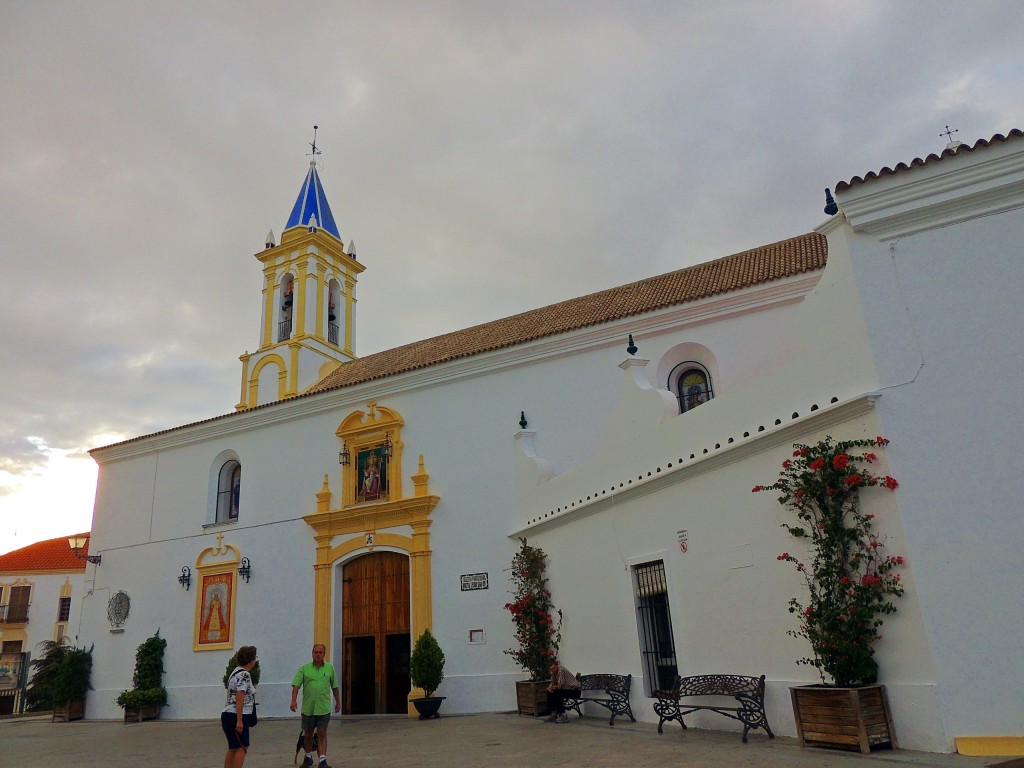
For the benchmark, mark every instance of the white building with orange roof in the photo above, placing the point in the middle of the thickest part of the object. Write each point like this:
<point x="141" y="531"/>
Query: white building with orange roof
<point x="41" y="588"/>
<point x="356" y="501"/>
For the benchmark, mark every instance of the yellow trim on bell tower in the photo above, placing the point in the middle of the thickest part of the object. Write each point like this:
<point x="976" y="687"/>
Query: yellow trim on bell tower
<point x="300" y="338"/>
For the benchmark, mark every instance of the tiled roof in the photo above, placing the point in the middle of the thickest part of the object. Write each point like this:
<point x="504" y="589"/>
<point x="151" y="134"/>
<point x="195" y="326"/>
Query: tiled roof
<point x="49" y="555"/>
<point x="759" y="265"/>
<point x="1016" y="133"/>
<point x="785" y="258"/>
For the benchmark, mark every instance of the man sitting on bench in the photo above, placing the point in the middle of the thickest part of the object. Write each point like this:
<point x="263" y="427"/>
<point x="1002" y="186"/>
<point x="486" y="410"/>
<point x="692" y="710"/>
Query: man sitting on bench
<point x="564" y="685"/>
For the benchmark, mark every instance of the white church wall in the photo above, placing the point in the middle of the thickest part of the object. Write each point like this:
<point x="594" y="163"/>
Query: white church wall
<point x="944" y="318"/>
<point x="462" y="426"/>
<point x="728" y="593"/>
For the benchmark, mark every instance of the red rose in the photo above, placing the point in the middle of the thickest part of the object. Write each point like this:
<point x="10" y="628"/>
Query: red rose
<point x="840" y="461"/>
<point x="890" y="483"/>
<point x="817" y="464"/>
<point x="854" y="480"/>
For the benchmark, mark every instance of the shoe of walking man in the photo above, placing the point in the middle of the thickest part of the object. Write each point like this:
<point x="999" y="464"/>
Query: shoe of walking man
<point x="318" y="682"/>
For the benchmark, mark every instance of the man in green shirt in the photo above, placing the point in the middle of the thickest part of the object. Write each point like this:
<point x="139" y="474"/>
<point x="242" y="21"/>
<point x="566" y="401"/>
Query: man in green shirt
<point x="317" y="681"/>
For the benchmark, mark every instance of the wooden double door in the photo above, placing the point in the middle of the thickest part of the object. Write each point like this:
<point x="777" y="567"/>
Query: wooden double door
<point x="375" y="634"/>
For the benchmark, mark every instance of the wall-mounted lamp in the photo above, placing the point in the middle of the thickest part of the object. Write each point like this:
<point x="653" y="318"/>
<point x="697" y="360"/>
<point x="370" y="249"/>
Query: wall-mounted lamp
<point x="186" y="577"/>
<point x="344" y="455"/>
<point x="389" y="448"/>
<point x="244" y="569"/>
<point x="77" y="544"/>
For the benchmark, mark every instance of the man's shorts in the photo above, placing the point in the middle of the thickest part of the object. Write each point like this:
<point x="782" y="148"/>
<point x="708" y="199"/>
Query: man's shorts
<point x="315" y="722"/>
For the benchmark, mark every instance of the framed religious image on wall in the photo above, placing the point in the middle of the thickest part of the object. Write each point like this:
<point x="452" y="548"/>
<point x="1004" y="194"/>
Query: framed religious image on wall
<point x="371" y="475"/>
<point x="216" y="611"/>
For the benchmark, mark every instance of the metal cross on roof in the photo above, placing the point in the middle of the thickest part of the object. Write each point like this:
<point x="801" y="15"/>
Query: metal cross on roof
<point x="949" y="133"/>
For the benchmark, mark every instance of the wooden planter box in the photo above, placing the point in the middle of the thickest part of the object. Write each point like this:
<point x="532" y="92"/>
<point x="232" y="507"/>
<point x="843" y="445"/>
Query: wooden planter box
<point x="148" y="712"/>
<point x="72" y="710"/>
<point x="844" y="718"/>
<point x="532" y="697"/>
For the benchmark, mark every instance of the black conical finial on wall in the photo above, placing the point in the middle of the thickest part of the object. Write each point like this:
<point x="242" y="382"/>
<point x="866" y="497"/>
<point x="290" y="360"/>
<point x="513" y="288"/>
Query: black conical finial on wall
<point x="830" y="204"/>
<point x="522" y="419"/>
<point x="632" y="348"/>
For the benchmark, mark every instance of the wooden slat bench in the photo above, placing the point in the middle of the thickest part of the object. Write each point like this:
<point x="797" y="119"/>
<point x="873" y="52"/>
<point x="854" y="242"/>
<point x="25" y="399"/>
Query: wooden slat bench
<point x="610" y="691"/>
<point x="748" y="691"/>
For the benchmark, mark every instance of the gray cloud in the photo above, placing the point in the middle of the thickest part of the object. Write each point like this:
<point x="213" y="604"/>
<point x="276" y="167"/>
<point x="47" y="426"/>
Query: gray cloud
<point x="486" y="158"/>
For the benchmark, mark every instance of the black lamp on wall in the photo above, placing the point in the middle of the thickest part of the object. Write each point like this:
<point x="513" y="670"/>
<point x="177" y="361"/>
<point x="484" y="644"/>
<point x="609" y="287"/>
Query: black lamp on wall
<point x="186" y="577"/>
<point x="344" y="455"/>
<point x="245" y="569"/>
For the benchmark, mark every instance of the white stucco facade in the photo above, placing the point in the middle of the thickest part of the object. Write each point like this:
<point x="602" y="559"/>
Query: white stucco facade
<point x="607" y="475"/>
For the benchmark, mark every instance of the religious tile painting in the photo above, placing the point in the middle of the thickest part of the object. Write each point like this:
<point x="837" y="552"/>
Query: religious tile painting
<point x="371" y="466"/>
<point x="215" y="614"/>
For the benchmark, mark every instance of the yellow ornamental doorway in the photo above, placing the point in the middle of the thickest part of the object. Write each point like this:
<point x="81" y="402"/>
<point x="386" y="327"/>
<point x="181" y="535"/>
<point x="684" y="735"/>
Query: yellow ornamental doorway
<point x="375" y="634"/>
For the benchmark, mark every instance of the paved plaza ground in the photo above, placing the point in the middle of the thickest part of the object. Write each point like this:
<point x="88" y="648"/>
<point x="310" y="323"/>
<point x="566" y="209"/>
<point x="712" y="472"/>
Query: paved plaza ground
<point x="496" y="740"/>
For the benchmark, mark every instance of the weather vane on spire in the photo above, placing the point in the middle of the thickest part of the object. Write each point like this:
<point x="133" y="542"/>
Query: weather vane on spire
<point x="316" y="151"/>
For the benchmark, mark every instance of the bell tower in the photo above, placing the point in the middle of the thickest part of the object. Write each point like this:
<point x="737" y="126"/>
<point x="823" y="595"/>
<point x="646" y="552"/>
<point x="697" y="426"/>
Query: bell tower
<point x="309" y="301"/>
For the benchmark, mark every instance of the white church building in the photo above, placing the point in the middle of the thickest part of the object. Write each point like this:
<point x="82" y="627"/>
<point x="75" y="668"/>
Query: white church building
<point x="355" y="501"/>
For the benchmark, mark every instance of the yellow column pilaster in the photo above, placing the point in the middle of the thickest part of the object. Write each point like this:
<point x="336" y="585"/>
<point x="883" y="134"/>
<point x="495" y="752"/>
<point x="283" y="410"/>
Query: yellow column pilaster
<point x="293" y="369"/>
<point x="321" y="270"/>
<point x="242" y="402"/>
<point x="422" y="587"/>
<point x="350" y="314"/>
<point x="269" y="288"/>
<point x="322" y="598"/>
<point x="300" y="301"/>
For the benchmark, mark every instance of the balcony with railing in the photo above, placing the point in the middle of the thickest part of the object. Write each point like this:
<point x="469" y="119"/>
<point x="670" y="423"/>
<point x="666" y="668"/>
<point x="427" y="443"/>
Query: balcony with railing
<point x="13" y="614"/>
<point x="284" y="330"/>
<point x="332" y="333"/>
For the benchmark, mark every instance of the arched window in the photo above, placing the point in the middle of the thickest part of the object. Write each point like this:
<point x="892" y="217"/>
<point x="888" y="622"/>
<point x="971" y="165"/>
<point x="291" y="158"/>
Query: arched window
<point x="691" y="384"/>
<point x="229" y="487"/>
<point x="284" y="325"/>
<point x="333" y="311"/>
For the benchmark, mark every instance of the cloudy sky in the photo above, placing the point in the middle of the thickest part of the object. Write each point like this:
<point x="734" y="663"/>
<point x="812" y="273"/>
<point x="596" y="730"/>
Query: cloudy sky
<point x="486" y="157"/>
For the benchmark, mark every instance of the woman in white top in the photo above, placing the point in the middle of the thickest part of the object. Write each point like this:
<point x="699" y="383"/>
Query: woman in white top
<point x="238" y="709"/>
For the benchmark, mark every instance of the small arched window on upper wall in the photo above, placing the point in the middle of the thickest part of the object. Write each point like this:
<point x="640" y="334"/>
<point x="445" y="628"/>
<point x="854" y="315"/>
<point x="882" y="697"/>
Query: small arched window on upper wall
<point x="229" y="488"/>
<point x="691" y="384"/>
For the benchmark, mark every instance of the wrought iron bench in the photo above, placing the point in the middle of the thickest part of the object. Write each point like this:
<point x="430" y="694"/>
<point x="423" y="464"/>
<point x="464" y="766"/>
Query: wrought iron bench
<point x="615" y="699"/>
<point x="748" y="691"/>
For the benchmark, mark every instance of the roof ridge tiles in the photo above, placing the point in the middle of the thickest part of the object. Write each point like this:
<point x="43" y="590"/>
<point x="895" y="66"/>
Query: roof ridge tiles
<point x="999" y="138"/>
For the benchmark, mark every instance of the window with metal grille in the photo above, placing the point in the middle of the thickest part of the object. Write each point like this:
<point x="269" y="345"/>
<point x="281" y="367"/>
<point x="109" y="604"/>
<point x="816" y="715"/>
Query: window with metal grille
<point x="17" y="610"/>
<point x="657" y="646"/>
<point x="63" y="609"/>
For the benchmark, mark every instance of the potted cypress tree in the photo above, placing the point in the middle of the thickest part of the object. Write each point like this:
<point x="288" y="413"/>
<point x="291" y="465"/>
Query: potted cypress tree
<point x="144" y="700"/>
<point x="850" y="585"/>
<point x="426" y="668"/>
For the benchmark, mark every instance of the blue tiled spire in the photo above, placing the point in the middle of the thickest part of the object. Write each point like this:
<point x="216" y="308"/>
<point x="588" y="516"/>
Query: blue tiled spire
<point x="313" y="202"/>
